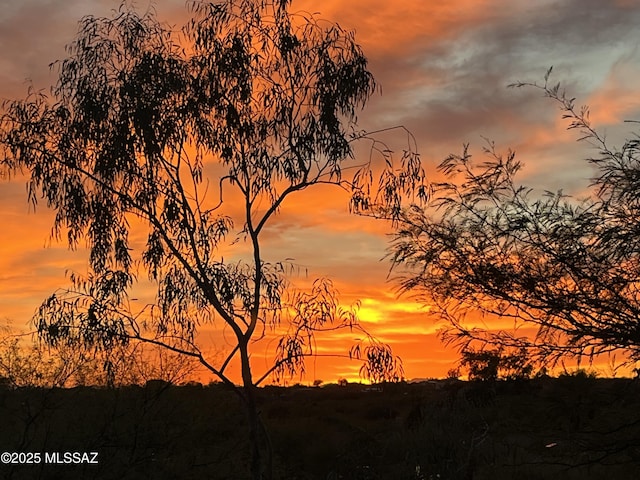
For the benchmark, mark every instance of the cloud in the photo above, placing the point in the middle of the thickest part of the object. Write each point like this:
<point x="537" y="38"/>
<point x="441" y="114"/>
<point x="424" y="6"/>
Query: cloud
<point x="33" y="34"/>
<point x="451" y="87"/>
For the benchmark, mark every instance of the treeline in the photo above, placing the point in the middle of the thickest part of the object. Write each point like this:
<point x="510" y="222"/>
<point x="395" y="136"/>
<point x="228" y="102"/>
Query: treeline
<point x="26" y="362"/>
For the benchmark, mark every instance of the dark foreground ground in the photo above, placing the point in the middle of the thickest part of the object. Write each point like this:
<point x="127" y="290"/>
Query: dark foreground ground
<point x="567" y="428"/>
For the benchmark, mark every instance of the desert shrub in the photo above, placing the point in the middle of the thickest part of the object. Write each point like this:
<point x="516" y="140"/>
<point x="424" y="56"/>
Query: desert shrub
<point x="494" y="364"/>
<point x="25" y="362"/>
<point x="579" y="373"/>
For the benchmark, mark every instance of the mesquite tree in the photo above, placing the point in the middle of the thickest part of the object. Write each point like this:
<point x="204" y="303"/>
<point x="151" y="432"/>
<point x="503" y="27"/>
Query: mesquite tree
<point x="568" y="267"/>
<point x="198" y="143"/>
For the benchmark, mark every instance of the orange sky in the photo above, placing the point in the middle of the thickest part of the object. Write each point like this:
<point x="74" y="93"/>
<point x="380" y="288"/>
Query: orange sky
<point x="443" y="68"/>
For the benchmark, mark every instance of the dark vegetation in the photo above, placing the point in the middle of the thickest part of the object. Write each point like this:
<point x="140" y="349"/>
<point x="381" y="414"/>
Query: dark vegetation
<point x="566" y="266"/>
<point x="572" y="427"/>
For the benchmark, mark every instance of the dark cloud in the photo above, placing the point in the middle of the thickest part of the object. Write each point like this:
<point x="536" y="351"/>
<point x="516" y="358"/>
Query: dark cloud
<point x="453" y="88"/>
<point x="469" y="72"/>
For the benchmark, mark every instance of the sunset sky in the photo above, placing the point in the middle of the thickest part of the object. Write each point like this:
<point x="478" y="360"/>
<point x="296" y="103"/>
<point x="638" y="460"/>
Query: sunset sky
<point x="443" y="67"/>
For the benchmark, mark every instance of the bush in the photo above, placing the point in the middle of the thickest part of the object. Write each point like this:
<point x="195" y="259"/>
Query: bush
<point x="494" y="364"/>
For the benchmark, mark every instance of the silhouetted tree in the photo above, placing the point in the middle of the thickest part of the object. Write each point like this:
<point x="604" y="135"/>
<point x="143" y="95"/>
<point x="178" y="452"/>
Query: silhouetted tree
<point x="494" y="364"/>
<point x="566" y="266"/>
<point x="196" y="146"/>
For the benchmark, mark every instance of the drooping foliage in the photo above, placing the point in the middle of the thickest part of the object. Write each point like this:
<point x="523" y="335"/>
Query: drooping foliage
<point x="254" y="105"/>
<point x="192" y="141"/>
<point x="570" y="268"/>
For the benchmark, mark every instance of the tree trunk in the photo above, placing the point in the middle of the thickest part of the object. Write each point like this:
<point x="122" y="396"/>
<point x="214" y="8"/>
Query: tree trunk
<point x="260" y="465"/>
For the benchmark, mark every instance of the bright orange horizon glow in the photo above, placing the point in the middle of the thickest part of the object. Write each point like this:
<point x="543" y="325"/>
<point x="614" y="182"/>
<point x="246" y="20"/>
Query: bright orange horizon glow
<point x="443" y="69"/>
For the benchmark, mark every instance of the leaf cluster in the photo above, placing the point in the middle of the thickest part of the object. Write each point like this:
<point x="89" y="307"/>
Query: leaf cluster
<point x="568" y="267"/>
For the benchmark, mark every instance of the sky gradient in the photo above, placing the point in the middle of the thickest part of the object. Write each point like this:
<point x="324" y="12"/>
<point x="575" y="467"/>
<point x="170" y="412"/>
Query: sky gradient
<point x="443" y="68"/>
